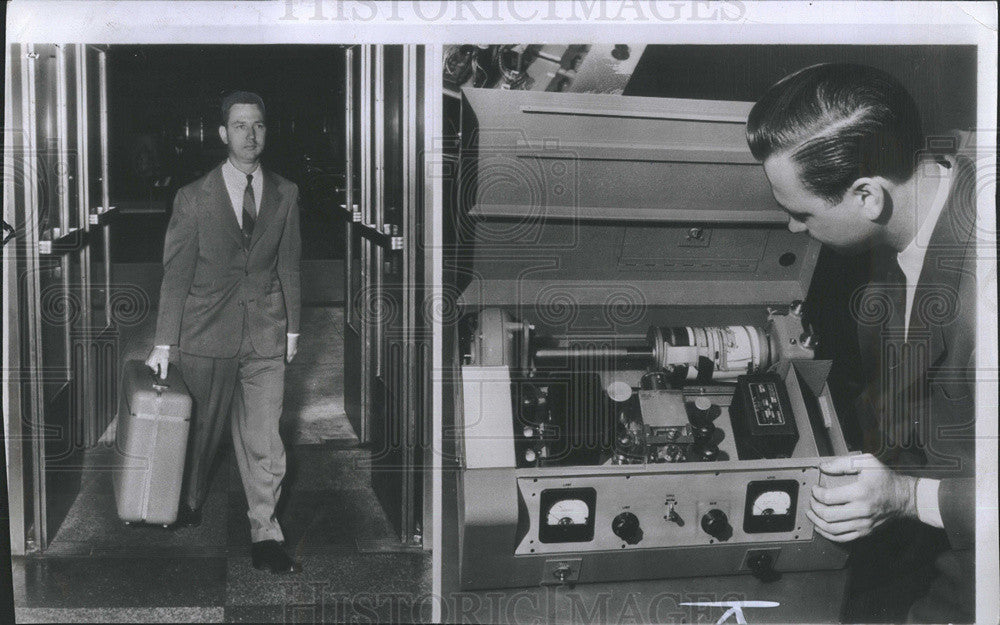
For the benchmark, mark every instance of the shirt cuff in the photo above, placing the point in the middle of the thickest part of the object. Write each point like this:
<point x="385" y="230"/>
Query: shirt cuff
<point x="295" y="334"/>
<point x="928" y="510"/>
<point x="163" y="346"/>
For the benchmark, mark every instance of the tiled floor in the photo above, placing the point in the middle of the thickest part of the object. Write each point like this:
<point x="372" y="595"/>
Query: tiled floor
<point x="100" y="571"/>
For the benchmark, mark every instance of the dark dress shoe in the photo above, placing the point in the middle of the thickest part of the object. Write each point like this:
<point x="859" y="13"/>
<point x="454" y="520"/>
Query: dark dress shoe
<point x="269" y="555"/>
<point x="187" y="517"/>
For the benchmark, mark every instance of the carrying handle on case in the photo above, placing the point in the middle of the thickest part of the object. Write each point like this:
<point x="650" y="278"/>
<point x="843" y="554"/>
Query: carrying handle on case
<point x="158" y="385"/>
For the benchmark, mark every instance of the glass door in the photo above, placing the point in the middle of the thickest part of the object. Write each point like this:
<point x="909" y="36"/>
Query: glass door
<point x="51" y="167"/>
<point x="357" y="250"/>
<point x="57" y="427"/>
<point x="384" y="273"/>
<point x="102" y="332"/>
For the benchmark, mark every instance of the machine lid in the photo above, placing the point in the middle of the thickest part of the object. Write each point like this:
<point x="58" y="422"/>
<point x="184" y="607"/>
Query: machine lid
<point x="594" y="156"/>
<point x="617" y="200"/>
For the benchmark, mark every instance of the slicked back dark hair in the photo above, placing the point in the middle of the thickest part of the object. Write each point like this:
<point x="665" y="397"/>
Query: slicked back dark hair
<point x="838" y="122"/>
<point x="240" y="97"/>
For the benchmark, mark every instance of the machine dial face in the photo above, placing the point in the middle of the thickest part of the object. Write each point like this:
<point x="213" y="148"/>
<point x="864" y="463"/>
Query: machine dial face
<point x="566" y="515"/>
<point x="568" y="512"/>
<point x="770" y="502"/>
<point x="771" y="506"/>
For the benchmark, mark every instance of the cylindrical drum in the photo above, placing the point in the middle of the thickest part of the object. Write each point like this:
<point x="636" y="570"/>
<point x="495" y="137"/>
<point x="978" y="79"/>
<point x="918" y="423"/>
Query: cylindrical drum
<point x="731" y="350"/>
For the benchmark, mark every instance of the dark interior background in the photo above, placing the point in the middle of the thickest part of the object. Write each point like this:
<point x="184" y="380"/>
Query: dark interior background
<point x="164" y="111"/>
<point x="942" y="79"/>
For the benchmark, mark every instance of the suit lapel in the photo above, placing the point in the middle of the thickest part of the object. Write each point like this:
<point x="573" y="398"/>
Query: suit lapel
<point x="268" y="207"/>
<point x="221" y="205"/>
<point x="900" y="372"/>
<point x="936" y="300"/>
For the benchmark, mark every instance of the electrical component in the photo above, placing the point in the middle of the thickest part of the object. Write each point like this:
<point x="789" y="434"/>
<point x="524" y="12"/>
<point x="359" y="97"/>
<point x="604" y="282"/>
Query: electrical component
<point x="763" y="423"/>
<point x="771" y="506"/>
<point x="568" y="515"/>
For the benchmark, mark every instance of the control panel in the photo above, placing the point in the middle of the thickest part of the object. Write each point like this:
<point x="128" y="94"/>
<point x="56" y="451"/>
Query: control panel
<point x="636" y="511"/>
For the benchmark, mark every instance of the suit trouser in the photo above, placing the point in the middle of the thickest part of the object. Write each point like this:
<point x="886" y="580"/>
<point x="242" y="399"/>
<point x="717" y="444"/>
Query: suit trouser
<point x="248" y="391"/>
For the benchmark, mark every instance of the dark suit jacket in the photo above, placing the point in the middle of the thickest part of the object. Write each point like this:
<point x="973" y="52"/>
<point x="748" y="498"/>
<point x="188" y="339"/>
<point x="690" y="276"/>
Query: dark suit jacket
<point x="918" y="410"/>
<point x="209" y="280"/>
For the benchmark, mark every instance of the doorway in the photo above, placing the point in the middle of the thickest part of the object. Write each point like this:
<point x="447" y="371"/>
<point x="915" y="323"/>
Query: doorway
<point x="148" y="117"/>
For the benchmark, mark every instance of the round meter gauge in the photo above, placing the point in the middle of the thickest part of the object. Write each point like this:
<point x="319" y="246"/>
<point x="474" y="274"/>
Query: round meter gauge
<point x="568" y="512"/>
<point x="566" y="515"/>
<point x="770" y="506"/>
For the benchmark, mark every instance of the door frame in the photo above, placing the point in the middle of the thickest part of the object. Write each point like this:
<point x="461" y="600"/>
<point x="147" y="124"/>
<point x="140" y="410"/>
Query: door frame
<point x="371" y="241"/>
<point x="25" y="405"/>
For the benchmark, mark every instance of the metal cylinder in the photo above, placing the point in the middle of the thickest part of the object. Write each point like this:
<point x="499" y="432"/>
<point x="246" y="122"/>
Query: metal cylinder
<point x="683" y="350"/>
<point x="605" y="353"/>
<point x="731" y="349"/>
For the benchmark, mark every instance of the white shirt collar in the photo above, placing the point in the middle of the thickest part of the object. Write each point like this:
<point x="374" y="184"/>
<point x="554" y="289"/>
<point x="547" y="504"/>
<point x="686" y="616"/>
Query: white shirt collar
<point x="911" y="259"/>
<point x="236" y="184"/>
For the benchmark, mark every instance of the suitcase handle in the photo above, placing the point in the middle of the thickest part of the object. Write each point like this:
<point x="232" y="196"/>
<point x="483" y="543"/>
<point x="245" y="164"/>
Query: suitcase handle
<point x="158" y="385"/>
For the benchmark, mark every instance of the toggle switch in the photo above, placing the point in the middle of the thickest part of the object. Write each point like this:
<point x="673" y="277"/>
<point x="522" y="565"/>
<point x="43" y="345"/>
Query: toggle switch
<point x="562" y="573"/>
<point x="675" y="518"/>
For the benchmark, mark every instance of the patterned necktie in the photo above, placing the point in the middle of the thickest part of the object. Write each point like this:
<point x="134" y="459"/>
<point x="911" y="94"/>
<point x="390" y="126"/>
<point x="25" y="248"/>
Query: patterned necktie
<point x="249" y="210"/>
<point x="895" y="285"/>
<point x="897" y="360"/>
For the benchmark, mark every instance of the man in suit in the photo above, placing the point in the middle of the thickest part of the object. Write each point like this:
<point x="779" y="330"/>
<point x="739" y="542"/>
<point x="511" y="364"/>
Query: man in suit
<point x="843" y="149"/>
<point x="229" y="304"/>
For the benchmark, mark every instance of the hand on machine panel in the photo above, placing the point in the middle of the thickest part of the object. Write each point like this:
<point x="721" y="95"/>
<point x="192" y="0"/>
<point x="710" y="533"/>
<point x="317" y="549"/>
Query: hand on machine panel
<point x="846" y="512"/>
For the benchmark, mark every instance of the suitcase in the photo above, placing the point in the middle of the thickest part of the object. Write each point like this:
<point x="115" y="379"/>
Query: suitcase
<point x="152" y="433"/>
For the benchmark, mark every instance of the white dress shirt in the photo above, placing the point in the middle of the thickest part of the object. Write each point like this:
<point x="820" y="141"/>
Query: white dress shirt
<point x="911" y="261"/>
<point x="236" y="185"/>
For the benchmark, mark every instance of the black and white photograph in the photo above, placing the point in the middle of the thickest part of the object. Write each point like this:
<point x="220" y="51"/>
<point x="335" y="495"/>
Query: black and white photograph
<point x="682" y="370"/>
<point x="217" y="295"/>
<point x="562" y="312"/>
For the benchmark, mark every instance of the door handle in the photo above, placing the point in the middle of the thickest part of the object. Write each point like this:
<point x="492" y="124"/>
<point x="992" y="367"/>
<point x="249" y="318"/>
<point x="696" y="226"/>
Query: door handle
<point x="354" y="211"/>
<point x="99" y="215"/>
<point x="388" y="237"/>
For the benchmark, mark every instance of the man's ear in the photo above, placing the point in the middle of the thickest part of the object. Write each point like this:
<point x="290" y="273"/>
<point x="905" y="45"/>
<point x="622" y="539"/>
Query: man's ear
<point x="871" y="198"/>
<point x="224" y="135"/>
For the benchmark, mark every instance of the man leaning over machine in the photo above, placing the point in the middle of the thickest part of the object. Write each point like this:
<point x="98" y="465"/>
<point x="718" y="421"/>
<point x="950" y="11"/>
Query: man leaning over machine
<point x="843" y="149"/>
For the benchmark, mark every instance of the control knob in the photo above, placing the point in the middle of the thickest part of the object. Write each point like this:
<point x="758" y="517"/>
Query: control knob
<point x="703" y="416"/>
<point x="626" y="527"/>
<point x="716" y="524"/>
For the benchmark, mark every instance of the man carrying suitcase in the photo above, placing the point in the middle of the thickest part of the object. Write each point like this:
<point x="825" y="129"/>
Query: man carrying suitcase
<point x="229" y="304"/>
